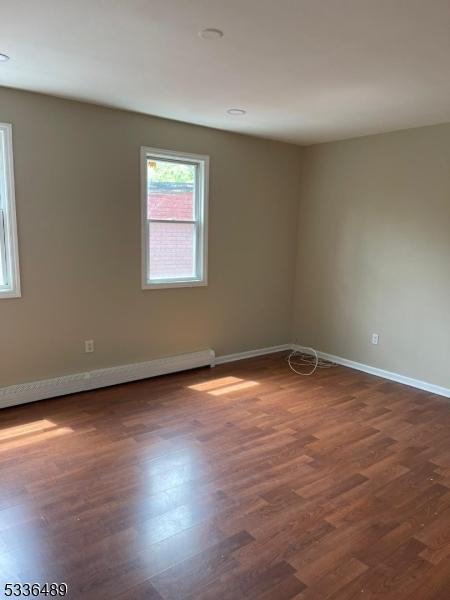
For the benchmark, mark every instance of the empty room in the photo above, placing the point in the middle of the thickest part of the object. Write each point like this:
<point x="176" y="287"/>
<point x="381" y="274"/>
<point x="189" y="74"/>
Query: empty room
<point x="225" y="299"/>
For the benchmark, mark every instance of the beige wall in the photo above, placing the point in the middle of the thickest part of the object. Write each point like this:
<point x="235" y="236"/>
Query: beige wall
<point x="77" y="191"/>
<point x="374" y="251"/>
<point x="372" y="255"/>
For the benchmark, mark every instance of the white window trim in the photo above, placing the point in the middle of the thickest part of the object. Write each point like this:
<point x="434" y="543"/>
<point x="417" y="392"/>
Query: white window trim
<point x="202" y="236"/>
<point x="9" y="216"/>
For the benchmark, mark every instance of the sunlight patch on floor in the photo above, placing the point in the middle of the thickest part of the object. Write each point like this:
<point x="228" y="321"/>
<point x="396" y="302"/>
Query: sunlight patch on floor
<point x="206" y="386"/>
<point x="223" y="385"/>
<point x="30" y="433"/>
<point x="237" y="387"/>
<point x="41" y="425"/>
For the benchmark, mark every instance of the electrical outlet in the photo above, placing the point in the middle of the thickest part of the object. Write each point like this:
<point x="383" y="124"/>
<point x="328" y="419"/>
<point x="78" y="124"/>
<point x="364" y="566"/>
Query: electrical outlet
<point x="89" y="346"/>
<point x="375" y="338"/>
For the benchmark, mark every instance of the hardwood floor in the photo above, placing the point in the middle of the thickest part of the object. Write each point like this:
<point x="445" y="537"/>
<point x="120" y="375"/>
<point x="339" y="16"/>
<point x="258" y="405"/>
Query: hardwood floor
<point x="243" y="481"/>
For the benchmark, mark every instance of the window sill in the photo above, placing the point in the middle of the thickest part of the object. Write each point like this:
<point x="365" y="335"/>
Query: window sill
<point x="10" y="294"/>
<point x="175" y="284"/>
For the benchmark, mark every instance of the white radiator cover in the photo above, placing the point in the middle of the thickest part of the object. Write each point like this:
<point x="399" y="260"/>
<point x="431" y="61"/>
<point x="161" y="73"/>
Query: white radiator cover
<point x="81" y="382"/>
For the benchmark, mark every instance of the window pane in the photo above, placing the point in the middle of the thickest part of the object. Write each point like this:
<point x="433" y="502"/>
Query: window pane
<point x="172" y="253"/>
<point x="2" y="217"/>
<point x="171" y="190"/>
<point x="2" y="265"/>
<point x="9" y="276"/>
<point x="3" y="280"/>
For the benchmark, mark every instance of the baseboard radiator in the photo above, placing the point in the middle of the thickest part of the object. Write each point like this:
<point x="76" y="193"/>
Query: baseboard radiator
<point x="81" y="382"/>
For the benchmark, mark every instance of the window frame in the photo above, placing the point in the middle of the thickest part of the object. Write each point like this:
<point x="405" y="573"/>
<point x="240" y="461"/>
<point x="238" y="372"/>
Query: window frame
<point x="201" y="218"/>
<point x="9" y="252"/>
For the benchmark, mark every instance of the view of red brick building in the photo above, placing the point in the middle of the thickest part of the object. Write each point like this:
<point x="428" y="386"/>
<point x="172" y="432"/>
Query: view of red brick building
<point x="171" y="244"/>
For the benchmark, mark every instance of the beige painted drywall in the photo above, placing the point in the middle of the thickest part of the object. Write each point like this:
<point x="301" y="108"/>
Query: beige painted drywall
<point x="374" y="251"/>
<point x="372" y="254"/>
<point x="78" y="208"/>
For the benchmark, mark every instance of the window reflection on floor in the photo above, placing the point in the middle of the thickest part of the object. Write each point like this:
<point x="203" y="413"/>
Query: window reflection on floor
<point x="30" y="433"/>
<point x="223" y="385"/>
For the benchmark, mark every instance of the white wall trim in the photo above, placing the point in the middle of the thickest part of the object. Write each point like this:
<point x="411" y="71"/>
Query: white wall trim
<point x="81" y="382"/>
<point x="201" y="219"/>
<point x="11" y="257"/>
<point x="251" y="353"/>
<point x="416" y="383"/>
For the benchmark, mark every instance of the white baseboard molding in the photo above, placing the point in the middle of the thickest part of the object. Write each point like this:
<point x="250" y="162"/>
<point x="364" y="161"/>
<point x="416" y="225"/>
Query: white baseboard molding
<point x="81" y="382"/>
<point x="416" y="383"/>
<point x="251" y="353"/>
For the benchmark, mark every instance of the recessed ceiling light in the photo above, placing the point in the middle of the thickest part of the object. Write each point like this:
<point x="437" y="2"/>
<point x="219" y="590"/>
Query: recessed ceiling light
<point x="3" y="57"/>
<point x="211" y="34"/>
<point x="236" y="111"/>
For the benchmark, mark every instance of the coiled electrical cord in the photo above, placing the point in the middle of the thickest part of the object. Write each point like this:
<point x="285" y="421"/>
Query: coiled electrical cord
<point x="307" y="357"/>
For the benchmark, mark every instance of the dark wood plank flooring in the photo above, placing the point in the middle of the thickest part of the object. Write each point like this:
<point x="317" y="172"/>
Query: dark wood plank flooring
<point x="243" y="481"/>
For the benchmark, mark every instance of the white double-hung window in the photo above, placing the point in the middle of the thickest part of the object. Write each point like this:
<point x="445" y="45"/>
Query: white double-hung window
<point x="174" y="218"/>
<point x="9" y="260"/>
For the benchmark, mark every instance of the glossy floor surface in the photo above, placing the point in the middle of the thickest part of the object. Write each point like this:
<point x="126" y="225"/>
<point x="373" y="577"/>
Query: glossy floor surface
<point x="243" y="481"/>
